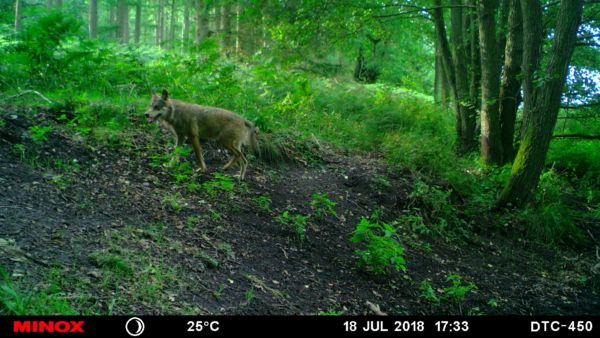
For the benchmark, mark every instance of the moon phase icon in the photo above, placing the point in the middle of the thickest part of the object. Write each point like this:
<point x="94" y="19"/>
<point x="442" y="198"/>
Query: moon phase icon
<point x="134" y="326"/>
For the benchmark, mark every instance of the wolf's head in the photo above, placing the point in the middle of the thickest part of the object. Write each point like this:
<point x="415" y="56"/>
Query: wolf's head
<point x="159" y="107"/>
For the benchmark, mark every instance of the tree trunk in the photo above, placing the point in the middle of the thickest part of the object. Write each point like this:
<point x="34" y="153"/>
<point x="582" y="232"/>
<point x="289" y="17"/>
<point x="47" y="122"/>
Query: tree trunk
<point x="467" y="111"/>
<point x="237" y="28"/>
<point x="226" y="27"/>
<point x="123" y="20"/>
<point x="511" y="84"/>
<point x="201" y="21"/>
<point x="93" y="19"/>
<point x="502" y="28"/>
<point x="542" y="101"/>
<point x="185" y="34"/>
<point x="49" y="3"/>
<point x="160" y="22"/>
<point x="138" y="22"/>
<point x="447" y="63"/>
<point x="491" y="143"/>
<point x="466" y="28"/>
<point x="125" y="23"/>
<point x="438" y="78"/>
<point x="173" y="23"/>
<point x="58" y="4"/>
<point x="114" y="23"/>
<point x="264" y="43"/>
<point x="475" y="60"/>
<point x="18" y="15"/>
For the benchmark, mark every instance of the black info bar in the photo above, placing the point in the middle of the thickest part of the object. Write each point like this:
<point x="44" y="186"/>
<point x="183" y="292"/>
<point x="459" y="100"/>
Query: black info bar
<point x="351" y="326"/>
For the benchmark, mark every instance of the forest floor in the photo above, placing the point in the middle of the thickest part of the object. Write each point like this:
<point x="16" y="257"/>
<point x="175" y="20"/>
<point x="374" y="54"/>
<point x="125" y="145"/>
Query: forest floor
<point x="101" y="230"/>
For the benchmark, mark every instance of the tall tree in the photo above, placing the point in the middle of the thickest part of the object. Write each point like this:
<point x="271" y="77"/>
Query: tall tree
<point x="542" y="100"/>
<point x="201" y="21"/>
<point x="238" y="45"/>
<point x="440" y="86"/>
<point x="467" y="109"/>
<point x="185" y="34"/>
<point x="451" y="65"/>
<point x="113" y="21"/>
<point x="173" y="24"/>
<point x="18" y="15"/>
<point x="138" y="21"/>
<point x="93" y="19"/>
<point x="446" y="60"/>
<point x="475" y="56"/>
<point x="511" y="80"/>
<point x="225" y="27"/>
<point x="502" y="26"/>
<point x="123" y="21"/>
<point x="160" y="22"/>
<point x="491" y="143"/>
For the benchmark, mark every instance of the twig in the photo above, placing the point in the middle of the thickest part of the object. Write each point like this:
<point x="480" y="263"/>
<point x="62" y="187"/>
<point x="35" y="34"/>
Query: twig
<point x="30" y="91"/>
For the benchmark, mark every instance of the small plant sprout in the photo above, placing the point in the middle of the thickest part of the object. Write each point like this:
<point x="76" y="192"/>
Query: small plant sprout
<point x="322" y="205"/>
<point x="295" y="222"/>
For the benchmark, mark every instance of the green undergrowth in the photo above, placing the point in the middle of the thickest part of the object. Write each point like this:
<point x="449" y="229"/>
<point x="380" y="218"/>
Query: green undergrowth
<point x="298" y="114"/>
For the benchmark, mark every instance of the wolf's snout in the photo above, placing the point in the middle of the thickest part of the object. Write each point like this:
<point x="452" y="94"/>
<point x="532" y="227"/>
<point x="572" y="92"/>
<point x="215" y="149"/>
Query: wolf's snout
<point x="146" y="114"/>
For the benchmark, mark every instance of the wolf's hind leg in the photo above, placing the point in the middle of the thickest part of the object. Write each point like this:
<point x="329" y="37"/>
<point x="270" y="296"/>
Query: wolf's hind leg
<point x="241" y="159"/>
<point x="233" y="158"/>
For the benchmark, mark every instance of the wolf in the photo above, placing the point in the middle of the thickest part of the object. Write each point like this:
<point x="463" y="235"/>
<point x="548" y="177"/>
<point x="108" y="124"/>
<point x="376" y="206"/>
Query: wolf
<point x="196" y="122"/>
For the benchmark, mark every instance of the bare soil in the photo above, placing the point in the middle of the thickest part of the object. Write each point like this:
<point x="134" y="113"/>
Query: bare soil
<point x="68" y="200"/>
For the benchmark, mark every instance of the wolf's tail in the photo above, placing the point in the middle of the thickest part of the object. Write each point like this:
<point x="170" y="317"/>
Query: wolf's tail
<point x="254" y="138"/>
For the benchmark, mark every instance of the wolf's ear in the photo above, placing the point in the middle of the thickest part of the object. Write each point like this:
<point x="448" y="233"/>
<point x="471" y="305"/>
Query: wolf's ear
<point x="165" y="94"/>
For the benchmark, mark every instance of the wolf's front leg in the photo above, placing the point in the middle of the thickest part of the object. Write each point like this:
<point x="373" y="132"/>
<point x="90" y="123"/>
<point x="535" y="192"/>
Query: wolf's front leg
<point x="178" y="142"/>
<point x="198" y="152"/>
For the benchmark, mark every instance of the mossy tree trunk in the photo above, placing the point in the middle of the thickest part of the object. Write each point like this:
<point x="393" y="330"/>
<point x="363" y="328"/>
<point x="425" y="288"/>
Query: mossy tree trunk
<point x="542" y="101"/>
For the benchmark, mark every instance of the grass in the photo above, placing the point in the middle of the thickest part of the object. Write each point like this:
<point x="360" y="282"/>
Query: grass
<point x="45" y="300"/>
<point x="220" y="182"/>
<point x="173" y="200"/>
<point x="113" y="263"/>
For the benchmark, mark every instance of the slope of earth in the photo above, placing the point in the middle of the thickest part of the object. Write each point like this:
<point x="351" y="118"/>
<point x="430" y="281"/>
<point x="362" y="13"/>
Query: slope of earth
<point x="107" y="228"/>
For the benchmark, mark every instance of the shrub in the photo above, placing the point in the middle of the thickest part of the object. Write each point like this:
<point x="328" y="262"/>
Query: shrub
<point x="382" y="250"/>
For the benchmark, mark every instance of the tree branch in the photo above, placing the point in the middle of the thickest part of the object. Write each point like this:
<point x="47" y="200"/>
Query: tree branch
<point x="585" y="105"/>
<point x="416" y="9"/>
<point x="581" y="136"/>
<point x="30" y="92"/>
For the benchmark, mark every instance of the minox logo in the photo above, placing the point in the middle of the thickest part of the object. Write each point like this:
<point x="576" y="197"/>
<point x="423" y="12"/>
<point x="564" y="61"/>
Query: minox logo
<point x="40" y="326"/>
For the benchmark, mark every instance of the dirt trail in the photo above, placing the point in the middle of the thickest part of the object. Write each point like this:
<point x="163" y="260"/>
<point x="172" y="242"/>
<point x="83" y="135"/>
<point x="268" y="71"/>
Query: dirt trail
<point x="117" y="235"/>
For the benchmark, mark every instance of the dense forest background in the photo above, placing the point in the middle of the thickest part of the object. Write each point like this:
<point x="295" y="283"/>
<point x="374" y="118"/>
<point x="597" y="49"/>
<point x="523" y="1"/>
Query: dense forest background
<point x="484" y="116"/>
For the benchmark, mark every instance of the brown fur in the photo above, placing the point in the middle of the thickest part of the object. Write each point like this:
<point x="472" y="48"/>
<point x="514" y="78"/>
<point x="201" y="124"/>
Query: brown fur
<point x="196" y="122"/>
